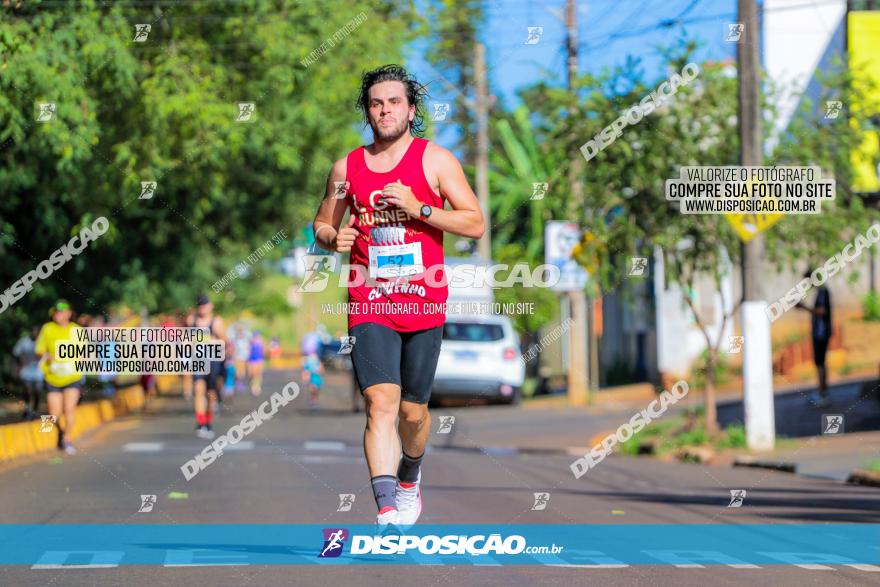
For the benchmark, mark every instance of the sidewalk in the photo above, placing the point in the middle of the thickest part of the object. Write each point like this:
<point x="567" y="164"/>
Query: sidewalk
<point x="730" y="392"/>
<point x="802" y="447"/>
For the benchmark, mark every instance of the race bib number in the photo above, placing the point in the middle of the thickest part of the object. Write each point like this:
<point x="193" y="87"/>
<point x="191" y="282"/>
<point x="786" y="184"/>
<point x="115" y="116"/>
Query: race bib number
<point x="391" y="256"/>
<point x="61" y="368"/>
<point x="388" y="261"/>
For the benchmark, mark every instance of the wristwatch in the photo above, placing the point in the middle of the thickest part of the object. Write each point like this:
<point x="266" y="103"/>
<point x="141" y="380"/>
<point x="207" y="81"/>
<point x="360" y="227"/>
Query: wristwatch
<point x="425" y="211"/>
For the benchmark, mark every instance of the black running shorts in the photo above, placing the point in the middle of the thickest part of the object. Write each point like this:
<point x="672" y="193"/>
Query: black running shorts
<point x="214" y="379"/>
<point x="75" y="385"/>
<point x="406" y="359"/>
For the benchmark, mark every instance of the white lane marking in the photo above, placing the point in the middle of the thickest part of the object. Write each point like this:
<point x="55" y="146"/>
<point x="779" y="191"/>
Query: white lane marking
<point x="143" y="446"/>
<point x="240" y="445"/>
<point x="859" y="567"/>
<point x="324" y="445"/>
<point x="56" y="567"/>
<point x="576" y="566"/>
<point x="808" y="567"/>
<point x="732" y="566"/>
<point x="318" y="459"/>
<point x="207" y="565"/>
<point x="868" y="568"/>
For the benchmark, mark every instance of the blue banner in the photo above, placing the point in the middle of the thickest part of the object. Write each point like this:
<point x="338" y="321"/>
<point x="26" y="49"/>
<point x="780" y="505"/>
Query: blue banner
<point x="109" y="545"/>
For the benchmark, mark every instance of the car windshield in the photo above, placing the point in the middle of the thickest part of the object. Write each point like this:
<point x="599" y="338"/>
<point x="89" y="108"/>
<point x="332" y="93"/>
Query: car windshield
<point x="472" y="332"/>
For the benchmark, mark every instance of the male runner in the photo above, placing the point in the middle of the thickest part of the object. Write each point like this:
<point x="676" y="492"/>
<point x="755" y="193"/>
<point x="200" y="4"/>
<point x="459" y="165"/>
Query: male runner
<point x="207" y="386"/>
<point x="396" y="192"/>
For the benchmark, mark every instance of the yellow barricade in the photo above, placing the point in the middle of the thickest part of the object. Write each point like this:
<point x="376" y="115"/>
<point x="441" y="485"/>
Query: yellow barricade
<point x="26" y="438"/>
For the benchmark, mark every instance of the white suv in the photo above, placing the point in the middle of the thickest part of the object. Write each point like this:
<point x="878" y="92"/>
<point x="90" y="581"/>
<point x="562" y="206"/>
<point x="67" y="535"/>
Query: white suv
<point x="479" y="358"/>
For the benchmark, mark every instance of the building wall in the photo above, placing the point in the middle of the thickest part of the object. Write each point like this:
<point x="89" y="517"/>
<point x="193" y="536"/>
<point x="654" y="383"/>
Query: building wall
<point x="798" y="38"/>
<point x="679" y="339"/>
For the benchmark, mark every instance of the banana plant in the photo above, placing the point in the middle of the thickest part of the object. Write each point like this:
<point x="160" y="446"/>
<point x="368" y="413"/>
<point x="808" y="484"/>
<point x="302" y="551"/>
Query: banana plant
<point x="519" y="160"/>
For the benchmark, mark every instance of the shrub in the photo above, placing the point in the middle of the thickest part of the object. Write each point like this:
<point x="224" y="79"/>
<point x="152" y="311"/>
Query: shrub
<point x="871" y="307"/>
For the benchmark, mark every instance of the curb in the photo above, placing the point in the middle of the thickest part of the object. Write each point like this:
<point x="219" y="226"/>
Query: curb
<point x="634" y="393"/>
<point x="782" y="467"/>
<point x="863" y="477"/>
<point x="858" y="477"/>
<point x="25" y="438"/>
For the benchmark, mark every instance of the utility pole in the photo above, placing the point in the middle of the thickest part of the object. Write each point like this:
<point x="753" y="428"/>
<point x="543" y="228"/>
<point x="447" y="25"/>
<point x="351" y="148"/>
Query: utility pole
<point x="484" y="245"/>
<point x="581" y="380"/>
<point x="571" y="39"/>
<point x="757" y="352"/>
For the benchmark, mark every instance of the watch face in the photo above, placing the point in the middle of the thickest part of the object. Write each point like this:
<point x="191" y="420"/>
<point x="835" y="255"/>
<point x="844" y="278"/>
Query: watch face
<point x="426" y="210"/>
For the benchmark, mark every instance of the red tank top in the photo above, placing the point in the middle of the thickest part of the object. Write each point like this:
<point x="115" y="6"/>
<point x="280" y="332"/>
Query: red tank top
<point x="392" y="250"/>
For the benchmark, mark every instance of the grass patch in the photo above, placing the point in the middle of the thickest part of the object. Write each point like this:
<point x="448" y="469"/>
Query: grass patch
<point x="529" y="386"/>
<point x="734" y="437"/>
<point x="873" y="466"/>
<point x="671" y="434"/>
<point x="659" y="429"/>
<point x="871" y="307"/>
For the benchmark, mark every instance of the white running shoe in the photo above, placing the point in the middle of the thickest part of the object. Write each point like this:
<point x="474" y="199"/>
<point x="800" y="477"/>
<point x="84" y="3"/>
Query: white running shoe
<point x="389" y="518"/>
<point x="409" y="502"/>
<point x="205" y="432"/>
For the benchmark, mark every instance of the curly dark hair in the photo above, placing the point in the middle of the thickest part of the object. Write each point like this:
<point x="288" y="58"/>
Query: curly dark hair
<point x="415" y="93"/>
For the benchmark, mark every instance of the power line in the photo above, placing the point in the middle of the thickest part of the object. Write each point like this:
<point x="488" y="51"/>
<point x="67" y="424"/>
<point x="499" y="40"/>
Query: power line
<point x="669" y="23"/>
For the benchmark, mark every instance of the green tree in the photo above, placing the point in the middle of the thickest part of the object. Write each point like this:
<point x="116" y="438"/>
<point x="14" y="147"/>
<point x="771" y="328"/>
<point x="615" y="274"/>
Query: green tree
<point x="624" y="183"/>
<point x="451" y="28"/>
<point x="165" y="110"/>
<point x="518" y="160"/>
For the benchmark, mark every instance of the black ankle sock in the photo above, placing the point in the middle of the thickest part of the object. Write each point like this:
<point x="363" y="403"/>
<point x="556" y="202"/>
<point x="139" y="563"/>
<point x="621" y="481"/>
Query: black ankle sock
<point x="384" y="487"/>
<point x="408" y="471"/>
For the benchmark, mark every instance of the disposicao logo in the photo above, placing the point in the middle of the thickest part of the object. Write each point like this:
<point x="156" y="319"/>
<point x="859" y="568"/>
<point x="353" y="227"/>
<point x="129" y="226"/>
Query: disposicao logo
<point x="334" y="542"/>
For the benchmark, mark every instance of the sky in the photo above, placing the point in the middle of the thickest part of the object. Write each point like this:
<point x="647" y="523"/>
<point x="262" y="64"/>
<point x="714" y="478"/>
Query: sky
<point x="609" y="31"/>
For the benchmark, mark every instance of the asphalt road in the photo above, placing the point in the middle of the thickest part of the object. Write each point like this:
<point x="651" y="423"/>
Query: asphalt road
<point x="292" y="469"/>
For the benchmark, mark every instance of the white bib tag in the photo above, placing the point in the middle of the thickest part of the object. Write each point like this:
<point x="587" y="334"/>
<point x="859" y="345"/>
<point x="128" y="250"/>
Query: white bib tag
<point x="61" y="368"/>
<point x="390" y="256"/>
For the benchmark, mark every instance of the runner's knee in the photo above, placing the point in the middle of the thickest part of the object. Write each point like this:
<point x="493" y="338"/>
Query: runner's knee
<point x="382" y="404"/>
<point x="378" y="415"/>
<point x="413" y="413"/>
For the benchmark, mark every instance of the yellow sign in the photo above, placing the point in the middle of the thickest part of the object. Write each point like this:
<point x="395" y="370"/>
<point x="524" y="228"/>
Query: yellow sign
<point x="864" y="47"/>
<point x="748" y="226"/>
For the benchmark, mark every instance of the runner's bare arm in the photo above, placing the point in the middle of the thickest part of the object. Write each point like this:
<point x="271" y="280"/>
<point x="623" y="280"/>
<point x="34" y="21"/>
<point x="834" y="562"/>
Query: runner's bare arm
<point x="220" y="329"/>
<point x="465" y="218"/>
<point x="331" y="210"/>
